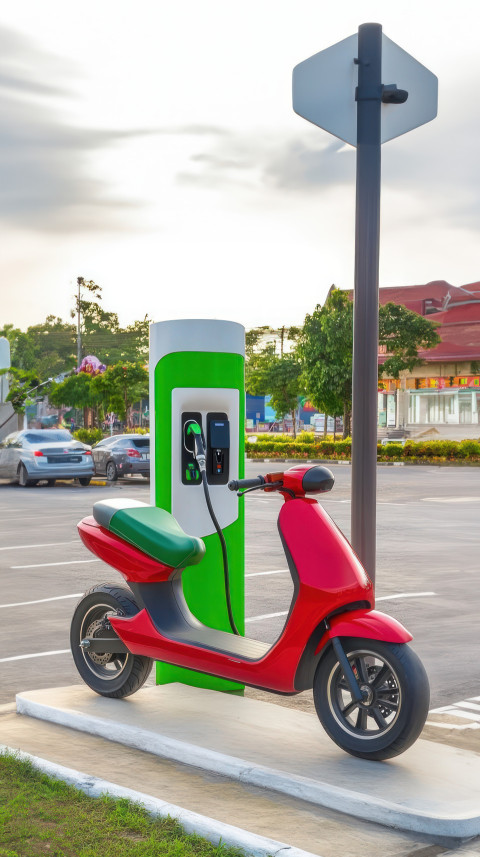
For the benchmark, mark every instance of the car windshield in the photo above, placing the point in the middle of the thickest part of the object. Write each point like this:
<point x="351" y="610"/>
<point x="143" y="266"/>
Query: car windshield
<point x="48" y="436"/>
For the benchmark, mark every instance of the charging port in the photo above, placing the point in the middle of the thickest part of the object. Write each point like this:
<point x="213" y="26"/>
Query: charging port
<point x="190" y="471"/>
<point x="218" y="449"/>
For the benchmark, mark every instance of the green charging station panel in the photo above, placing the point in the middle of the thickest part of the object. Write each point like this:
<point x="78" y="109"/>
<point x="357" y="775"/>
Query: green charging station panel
<point x="197" y="374"/>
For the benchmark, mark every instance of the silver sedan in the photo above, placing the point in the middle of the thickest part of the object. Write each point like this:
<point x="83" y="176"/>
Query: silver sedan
<point x="27" y="457"/>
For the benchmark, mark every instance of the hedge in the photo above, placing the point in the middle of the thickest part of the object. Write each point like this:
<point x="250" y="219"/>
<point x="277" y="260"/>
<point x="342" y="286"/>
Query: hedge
<point x="341" y="450"/>
<point x="89" y="436"/>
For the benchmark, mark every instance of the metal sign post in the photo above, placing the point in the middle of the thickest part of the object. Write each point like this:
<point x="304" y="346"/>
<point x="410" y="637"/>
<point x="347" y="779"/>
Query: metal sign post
<point x="341" y="89"/>
<point x="365" y="311"/>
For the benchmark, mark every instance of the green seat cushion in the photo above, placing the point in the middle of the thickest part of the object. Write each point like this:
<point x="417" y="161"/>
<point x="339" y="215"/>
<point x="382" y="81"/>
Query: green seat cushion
<point x="156" y="532"/>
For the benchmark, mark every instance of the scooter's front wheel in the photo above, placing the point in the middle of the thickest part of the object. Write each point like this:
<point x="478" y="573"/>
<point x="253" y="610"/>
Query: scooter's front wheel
<point x="394" y="707"/>
<point x="109" y="674"/>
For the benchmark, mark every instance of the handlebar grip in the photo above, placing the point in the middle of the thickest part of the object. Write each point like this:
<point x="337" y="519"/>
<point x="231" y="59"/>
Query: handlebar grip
<point x="237" y="484"/>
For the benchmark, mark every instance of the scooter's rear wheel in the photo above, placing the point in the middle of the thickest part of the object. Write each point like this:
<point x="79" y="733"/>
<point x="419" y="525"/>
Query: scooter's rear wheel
<point x="395" y="702"/>
<point x="109" y="674"/>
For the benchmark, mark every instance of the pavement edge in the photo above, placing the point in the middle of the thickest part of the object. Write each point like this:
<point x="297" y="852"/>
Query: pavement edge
<point x="459" y="828"/>
<point x="215" y="831"/>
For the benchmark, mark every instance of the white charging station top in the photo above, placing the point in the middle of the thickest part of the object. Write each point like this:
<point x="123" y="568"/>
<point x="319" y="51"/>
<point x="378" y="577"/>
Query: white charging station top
<point x="195" y="334"/>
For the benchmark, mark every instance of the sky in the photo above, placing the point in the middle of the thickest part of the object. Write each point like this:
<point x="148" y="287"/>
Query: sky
<point x="152" y="146"/>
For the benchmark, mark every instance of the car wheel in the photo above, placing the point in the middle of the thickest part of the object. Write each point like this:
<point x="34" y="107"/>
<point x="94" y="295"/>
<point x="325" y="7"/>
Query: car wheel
<point x="85" y="480"/>
<point x="111" y="471"/>
<point x="51" y="482"/>
<point x="23" y="479"/>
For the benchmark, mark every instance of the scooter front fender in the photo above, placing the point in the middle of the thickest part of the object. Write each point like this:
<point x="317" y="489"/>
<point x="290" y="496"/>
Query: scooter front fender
<point x="369" y="624"/>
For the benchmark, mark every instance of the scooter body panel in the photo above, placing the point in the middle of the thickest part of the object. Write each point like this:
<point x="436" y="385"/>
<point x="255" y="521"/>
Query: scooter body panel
<point x="325" y="562"/>
<point x="275" y="671"/>
<point x="369" y="624"/>
<point x="133" y="564"/>
<point x="315" y="547"/>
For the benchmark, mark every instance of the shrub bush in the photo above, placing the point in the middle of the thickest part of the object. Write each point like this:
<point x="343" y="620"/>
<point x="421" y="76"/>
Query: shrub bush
<point x="430" y="450"/>
<point x="88" y="436"/>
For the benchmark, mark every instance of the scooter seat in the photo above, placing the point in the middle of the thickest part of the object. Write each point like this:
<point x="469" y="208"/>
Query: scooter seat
<point x="153" y="531"/>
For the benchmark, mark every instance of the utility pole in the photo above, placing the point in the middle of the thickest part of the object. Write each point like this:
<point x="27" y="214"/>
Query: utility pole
<point x="79" y="329"/>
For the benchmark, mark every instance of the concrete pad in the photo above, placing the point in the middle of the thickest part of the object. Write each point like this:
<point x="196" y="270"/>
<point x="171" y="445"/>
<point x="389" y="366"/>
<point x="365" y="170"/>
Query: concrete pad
<point x="262" y="812"/>
<point x="431" y="789"/>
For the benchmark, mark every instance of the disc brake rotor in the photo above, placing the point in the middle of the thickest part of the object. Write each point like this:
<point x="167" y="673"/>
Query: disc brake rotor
<point x="95" y="629"/>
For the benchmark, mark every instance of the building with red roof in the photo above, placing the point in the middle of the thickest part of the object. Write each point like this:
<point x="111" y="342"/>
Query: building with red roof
<point x="441" y="397"/>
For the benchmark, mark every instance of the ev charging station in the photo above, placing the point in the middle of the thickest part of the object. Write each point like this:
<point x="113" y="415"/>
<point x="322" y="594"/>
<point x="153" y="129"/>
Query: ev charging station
<point x="197" y="369"/>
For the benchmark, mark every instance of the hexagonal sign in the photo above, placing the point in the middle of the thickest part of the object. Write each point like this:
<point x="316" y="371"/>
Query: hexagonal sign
<point x="324" y="90"/>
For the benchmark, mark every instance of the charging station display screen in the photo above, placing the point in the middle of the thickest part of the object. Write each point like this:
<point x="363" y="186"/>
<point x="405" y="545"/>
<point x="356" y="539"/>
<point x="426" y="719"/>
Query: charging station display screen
<point x="220" y="434"/>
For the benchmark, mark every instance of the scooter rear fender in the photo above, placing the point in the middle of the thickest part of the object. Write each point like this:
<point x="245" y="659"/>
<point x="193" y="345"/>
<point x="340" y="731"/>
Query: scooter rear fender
<point x="369" y="624"/>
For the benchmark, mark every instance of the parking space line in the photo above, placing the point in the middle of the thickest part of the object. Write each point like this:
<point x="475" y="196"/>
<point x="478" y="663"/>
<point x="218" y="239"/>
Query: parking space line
<point x="49" y="564"/>
<point x="404" y="595"/>
<point x="262" y="573"/>
<point x="45" y="545"/>
<point x="35" y="655"/>
<point x="266" y="616"/>
<point x="42" y="600"/>
<point x="383" y="598"/>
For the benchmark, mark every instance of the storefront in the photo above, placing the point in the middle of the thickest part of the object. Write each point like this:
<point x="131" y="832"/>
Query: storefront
<point x="418" y="403"/>
<point x="444" y="407"/>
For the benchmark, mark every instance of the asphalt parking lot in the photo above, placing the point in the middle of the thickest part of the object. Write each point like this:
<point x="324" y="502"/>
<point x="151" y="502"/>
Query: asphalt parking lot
<point x="427" y="574"/>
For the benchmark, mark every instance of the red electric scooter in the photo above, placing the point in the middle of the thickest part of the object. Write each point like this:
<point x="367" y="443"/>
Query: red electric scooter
<point x="370" y="690"/>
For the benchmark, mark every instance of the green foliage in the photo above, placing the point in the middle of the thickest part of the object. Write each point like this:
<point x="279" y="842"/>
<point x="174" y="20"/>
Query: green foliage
<point x="120" y="386"/>
<point x="50" y="348"/>
<point x="40" y="815"/>
<point x="306" y="437"/>
<point x="278" y="377"/>
<point x="325" y="349"/>
<point x="280" y="446"/>
<point x="47" y="348"/>
<point x="22" y="384"/>
<point x="89" y="436"/>
<point x="115" y="390"/>
<point x="76" y="391"/>
<point x="101" y="333"/>
<point x="403" y="333"/>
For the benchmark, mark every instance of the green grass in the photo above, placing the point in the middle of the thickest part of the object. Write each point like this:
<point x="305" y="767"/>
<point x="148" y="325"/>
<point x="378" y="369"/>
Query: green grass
<point x="42" y="816"/>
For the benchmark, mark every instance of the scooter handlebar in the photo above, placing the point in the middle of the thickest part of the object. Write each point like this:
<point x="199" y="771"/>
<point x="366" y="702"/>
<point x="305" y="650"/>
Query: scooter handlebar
<point x="240" y="484"/>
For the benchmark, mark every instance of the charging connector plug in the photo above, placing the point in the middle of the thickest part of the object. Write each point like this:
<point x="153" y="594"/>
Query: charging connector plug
<point x="199" y="449"/>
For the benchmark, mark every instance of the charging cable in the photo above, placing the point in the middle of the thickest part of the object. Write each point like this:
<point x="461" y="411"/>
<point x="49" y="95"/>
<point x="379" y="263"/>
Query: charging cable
<point x="199" y="453"/>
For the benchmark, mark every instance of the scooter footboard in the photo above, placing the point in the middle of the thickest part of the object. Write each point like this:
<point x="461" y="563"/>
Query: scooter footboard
<point x="370" y="624"/>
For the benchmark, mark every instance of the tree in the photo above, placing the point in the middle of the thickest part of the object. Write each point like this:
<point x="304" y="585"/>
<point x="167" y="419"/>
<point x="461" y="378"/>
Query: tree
<point x="47" y="348"/>
<point x="326" y="349"/>
<point x="280" y="378"/>
<point x="21" y="385"/>
<point x="404" y="333"/>
<point x="100" y="333"/>
<point x="120" y="387"/>
<point x="77" y="391"/>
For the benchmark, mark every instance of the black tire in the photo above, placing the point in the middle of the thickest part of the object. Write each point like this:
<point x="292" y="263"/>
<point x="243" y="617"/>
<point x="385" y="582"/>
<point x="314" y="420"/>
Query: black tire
<point x="397" y="697"/>
<point x="111" y="471"/>
<point x="23" y="479"/>
<point x="85" y="480"/>
<point x="113" y="675"/>
<point x="51" y="482"/>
